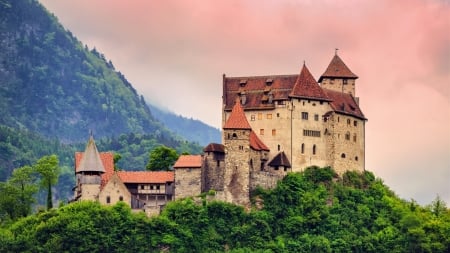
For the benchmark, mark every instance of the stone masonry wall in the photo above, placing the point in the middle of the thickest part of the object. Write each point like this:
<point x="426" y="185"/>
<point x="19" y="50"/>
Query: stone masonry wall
<point x="187" y="182"/>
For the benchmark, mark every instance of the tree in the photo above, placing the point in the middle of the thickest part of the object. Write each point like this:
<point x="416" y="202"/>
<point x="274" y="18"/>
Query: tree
<point x="16" y="194"/>
<point x="162" y="158"/>
<point x="48" y="168"/>
<point x="116" y="159"/>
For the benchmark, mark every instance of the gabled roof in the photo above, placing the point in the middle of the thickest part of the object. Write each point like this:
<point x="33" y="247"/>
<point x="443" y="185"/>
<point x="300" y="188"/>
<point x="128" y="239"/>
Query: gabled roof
<point x="280" y="160"/>
<point x="337" y="69"/>
<point x="257" y="89"/>
<point x="214" y="147"/>
<point x="91" y="160"/>
<point x="256" y="143"/>
<point x="344" y="103"/>
<point x="146" y="177"/>
<point x="237" y="119"/>
<point x="307" y="87"/>
<point x="188" y="161"/>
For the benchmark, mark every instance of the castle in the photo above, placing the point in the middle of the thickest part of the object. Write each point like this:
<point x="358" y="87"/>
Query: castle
<point x="271" y="125"/>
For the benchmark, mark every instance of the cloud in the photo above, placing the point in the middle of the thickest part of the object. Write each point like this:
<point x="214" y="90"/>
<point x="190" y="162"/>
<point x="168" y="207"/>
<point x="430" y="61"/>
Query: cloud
<point x="174" y="52"/>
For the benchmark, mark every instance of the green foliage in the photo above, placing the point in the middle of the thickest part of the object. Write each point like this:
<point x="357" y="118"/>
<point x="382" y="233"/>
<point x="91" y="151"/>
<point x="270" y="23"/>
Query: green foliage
<point x="162" y="158"/>
<point x="302" y="214"/>
<point x="48" y="168"/>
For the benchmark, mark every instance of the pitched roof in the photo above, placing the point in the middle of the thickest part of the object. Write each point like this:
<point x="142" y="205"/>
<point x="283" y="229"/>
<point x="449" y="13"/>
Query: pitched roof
<point x="337" y="69"/>
<point x="280" y="160"/>
<point x="344" y="103"/>
<point x="214" y="147"/>
<point x="146" y="177"/>
<point x="188" y="161"/>
<point x="105" y="157"/>
<point x="91" y="160"/>
<point x="237" y="119"/>
<point x="307" y="87"/>
<point x="256" y="143"/>
<point x="256" y="90"/>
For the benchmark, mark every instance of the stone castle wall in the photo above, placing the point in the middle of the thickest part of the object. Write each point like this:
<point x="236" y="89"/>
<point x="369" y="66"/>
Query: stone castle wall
<point x="213" y="172"/>
<point x="187" y="182"/>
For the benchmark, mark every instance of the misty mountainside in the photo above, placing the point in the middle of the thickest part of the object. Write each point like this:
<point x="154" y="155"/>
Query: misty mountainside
<point x="55" y="90"/>
<point x="191" y="129"/>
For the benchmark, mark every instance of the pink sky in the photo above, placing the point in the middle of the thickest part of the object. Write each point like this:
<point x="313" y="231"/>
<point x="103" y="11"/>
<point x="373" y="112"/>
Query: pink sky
<point x="175" y="52"/>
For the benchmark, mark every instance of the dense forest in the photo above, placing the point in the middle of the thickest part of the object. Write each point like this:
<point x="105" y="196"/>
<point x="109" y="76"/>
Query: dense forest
<point x="313" y="211"/>
<point x="54" y="90"/>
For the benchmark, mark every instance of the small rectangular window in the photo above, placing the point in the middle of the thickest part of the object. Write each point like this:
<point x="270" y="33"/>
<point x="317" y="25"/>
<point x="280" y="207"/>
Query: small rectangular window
<point x="274" y="132"/>
<point x="261" y="131"/>
<point x="316" y="117"/>
<point x="252" y="117"/>
<point x="305" y="115"/>
<point x="259" y="116"/>
<point x="269" y="116"/>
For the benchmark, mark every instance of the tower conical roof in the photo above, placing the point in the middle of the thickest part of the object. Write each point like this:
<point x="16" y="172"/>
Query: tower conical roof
<point x="337" y="69"/>
<point x="91" y="160"/>
<point x="237" y="119"/>
<point x="307" y="87"/>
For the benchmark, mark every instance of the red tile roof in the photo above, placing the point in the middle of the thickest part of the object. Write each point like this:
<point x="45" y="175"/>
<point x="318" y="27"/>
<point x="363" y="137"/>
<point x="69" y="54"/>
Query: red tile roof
<point x="214" y="147"/>
<point x="237" y="119"/>
<point x="256" y="88"/>
<point x="256" y="143"/>
<point x="344" y="103"/>
<point x="188" y="161"/>
<point x="307" y="87"/>
<point x="337" y="69"/>
<point x="146" y="177"/>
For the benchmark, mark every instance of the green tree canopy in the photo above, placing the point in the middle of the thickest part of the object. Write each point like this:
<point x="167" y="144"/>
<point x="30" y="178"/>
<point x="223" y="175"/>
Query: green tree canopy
<point x="48" y="168"/>
<point x="162" y="158"/>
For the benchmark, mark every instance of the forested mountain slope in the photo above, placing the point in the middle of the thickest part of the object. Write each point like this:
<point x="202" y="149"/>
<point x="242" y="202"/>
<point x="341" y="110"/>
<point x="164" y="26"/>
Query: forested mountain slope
<point x="191" y="129"/>
<point x="54" y="85"/>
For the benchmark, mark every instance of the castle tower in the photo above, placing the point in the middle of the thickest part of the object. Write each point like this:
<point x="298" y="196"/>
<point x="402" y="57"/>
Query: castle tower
<point x="89" y="173"/>
<point x="338" y="77"/>
<point x="236" y="135"/>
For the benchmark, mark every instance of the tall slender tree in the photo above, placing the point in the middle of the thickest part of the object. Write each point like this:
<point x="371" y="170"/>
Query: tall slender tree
<point x="48" y="168"/>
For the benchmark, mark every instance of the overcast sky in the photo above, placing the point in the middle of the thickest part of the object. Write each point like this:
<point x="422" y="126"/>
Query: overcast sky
<point x="175" y="52"/>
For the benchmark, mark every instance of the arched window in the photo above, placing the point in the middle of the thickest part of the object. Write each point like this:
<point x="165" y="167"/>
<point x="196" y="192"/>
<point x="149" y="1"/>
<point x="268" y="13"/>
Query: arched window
<point x="303" y="148"/>
<point x="234" y="136"/>
<point x="342" y="155"/>
<point x="314" y="149"/>
<point x="121" y="198"/>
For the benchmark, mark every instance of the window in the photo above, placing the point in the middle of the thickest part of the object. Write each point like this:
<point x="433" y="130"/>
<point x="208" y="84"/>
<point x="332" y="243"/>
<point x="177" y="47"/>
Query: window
<point x="355" y="123"/>
<point x="274" y="132"/>
<point x="261" y="131"/>
<point x="342" y="155"/>
<point x="121" y="198"/>
<point x="241" y="147"/>
<point x="108" y="199"/>
<point x="347" y="136"/>
<point x="316" y="117"/>
<point x="303" y="148"/>
<point x="305" y="115"/>
<point x="218" y="163"/>
<point x="158" y="187"/>
<point x="314" y="149"/>
<point x="278" y="115"/>
<point x="279" y="147"/>
<point x="348" y="122"/>
<point x="269" y="116"/>
<point x="344" y="81"/>
<point x="151" y="187"/>
<point x="252" y="117"/>
<point x="259" y="116"/>
<point x="356" y="158"/>
<point x="234" y="136"/>
<point x="142" y="187"/>
<point x="311" y="133"/>
<point x="354" y="137"/>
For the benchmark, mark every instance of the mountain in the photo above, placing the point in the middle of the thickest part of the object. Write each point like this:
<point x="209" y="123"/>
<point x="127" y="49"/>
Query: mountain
<point x="53" y="85"/>
<point x="191" y="129"/>
<point x="55" y="90"/>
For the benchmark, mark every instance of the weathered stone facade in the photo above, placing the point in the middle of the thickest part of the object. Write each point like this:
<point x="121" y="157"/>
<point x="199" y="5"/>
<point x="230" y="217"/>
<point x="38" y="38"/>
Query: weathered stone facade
<point x="187" y="182"/>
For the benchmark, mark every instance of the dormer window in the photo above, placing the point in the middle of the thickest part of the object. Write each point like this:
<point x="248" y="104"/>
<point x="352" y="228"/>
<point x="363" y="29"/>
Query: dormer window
<point x="242" y="83"/>
<point x="269" y="81"/>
